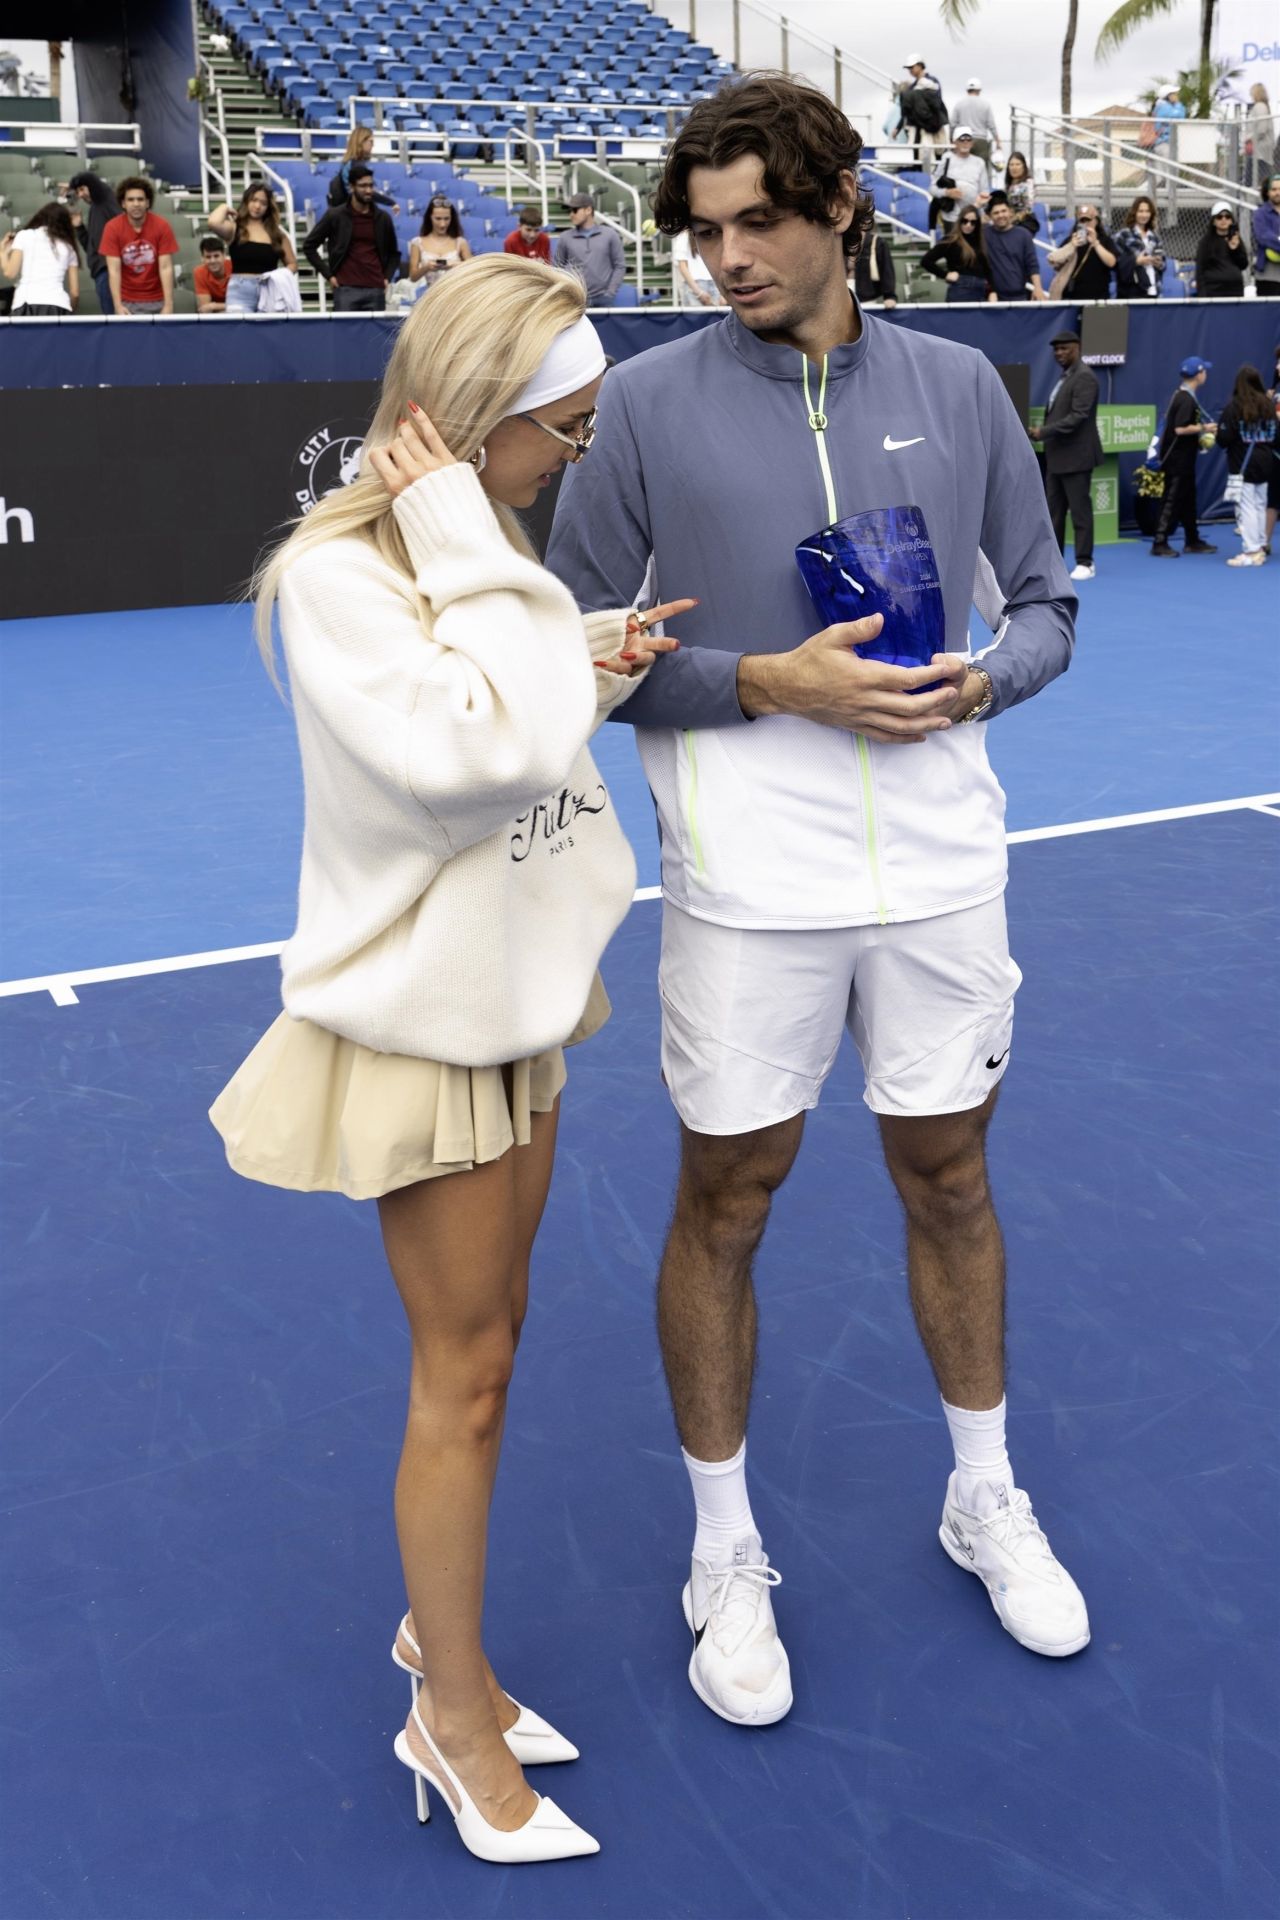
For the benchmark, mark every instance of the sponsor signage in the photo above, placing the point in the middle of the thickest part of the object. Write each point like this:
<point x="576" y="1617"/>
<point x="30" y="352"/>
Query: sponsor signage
<point x="1120" y="429"/>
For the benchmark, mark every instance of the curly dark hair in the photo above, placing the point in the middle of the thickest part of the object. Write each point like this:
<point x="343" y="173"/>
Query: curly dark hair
<point x="803" y="139"/>
<point x="143" y="186"/>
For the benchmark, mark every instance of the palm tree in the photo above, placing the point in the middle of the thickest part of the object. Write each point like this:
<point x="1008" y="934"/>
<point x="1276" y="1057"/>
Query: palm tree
<point x="956" y="14"/>
<point x="1132" y="14"/>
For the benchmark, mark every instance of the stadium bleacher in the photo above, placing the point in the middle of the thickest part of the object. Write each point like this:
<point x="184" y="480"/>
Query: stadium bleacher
<point x="595" y="62"/>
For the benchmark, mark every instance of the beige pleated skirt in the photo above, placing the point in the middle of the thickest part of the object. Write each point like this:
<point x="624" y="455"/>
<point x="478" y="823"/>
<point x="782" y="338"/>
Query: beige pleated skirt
<point x="320" y="1114"/>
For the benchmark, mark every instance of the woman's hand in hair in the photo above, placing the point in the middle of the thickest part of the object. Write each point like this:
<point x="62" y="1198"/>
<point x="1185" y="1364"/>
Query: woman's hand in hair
<point x="643" y="647"/>
<point x="416" y="450"/>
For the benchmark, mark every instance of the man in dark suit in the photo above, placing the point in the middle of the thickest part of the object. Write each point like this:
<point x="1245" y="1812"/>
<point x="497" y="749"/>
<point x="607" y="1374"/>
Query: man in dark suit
<point x="1072" y="450"/>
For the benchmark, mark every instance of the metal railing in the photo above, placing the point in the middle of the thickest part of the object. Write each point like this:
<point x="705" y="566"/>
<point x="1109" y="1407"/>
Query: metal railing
<point x="515" y="176"/>
<point x="221" y="176"/>
<point x="752" y="34"/>
<point x="71" y="136"/>
<point x="1091" y="158"/>
<point x="670" y="112"/>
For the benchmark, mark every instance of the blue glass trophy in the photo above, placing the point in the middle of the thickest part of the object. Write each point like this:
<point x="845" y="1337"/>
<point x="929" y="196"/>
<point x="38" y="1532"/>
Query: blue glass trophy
<point x="880" y="562"/>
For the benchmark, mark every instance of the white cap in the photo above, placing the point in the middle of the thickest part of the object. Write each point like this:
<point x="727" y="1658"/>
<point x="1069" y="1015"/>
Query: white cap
<point x="962" y="133"/>
<point x="1220" y="206"/>
<point x="973" y="86"/>
<point x="916" y="60"/>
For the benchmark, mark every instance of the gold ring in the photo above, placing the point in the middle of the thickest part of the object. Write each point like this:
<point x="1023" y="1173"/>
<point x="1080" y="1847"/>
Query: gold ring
<point x="640" y="621"/>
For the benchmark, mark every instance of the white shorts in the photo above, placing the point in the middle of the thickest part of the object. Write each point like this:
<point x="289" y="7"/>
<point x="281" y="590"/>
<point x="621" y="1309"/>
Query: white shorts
<point x="751" y="1020"/>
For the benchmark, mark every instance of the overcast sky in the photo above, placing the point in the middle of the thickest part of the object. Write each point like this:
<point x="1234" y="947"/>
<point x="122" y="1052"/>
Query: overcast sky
<point x="1014" y="46"/>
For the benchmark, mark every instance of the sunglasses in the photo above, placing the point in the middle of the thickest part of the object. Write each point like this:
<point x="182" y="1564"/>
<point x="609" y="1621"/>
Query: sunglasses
<point x="586" y="434"/>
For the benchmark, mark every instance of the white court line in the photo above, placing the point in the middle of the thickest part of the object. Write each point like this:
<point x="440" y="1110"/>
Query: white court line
<point x="61" y="986"/>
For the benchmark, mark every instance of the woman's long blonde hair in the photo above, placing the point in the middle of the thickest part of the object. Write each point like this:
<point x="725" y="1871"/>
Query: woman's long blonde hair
<point x="355" y="140"/>
<point x="464" y="354"/>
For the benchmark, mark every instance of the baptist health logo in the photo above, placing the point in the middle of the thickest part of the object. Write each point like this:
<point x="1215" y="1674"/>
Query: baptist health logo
<point x="22" y="521"/>
<point x="327" y="462"/>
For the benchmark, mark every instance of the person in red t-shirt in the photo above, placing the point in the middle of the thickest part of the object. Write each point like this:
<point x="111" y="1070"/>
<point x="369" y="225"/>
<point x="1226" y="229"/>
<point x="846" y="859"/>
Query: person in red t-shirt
<point x="138" y="247"/>
<point x="528" y="239"/>
<point x="211" y="276"/>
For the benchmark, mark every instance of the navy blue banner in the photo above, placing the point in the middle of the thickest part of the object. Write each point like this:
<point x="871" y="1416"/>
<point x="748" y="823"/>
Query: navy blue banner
<point x="196" y="352"/>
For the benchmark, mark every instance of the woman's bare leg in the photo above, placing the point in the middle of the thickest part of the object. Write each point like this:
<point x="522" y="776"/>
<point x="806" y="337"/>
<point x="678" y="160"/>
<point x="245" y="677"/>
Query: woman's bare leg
<point x="451" y="1244"/>
<point x="459" y="1249"/>
<point x="532" y="1174"/>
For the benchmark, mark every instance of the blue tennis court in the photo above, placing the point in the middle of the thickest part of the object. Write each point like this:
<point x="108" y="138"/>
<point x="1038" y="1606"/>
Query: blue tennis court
<point x="203" y="1380"/>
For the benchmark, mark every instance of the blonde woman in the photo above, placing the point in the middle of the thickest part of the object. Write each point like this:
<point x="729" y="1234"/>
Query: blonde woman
<point x="359" y="147"/>
<point x="462" y="871"/>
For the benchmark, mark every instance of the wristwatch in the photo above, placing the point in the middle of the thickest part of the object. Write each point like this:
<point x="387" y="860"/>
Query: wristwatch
<point x="987" y="701"/>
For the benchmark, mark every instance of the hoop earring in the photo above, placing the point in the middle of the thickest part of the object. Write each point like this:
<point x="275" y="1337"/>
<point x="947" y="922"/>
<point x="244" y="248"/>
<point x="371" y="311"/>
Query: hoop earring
<point x="479" y="460"/>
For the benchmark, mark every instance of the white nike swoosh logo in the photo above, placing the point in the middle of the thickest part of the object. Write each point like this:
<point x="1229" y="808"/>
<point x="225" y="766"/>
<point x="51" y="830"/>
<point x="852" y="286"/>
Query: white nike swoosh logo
<point x="892" y="446"/>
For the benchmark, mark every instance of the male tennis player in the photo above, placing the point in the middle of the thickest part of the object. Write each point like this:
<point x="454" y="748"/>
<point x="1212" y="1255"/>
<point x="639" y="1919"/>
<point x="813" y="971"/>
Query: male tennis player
<point x="833" y="850"/>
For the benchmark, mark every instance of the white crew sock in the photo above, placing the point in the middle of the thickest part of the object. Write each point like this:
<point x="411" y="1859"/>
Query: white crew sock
<point x="723" y="1509"/>
<point x="978" y="1439"/>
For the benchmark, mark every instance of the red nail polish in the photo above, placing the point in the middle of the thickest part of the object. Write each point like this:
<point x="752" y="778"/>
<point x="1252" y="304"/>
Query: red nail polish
<point x="626" y="656"/>
<point x="413" y="407"/>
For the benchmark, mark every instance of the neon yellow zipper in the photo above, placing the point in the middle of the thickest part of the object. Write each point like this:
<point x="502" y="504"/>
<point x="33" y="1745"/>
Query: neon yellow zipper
<point x="691" y="805"/>
<point x="818" y="422"/>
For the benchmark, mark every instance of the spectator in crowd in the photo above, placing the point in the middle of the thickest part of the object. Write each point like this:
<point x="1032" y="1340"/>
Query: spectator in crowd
<point x="1247" y="433"/>
<point x="1020" y="191"/>
<point x="980" y="115"/>
<point x="1273" y="485"/>
<point x="101" y="205"/>
<point x="528" y="239"/>
<point x="1260" y="130"/>
<point x="1083" y="264"/>
<point x="1011" y="254"/>
<point x="1221" y="257"/>
<point x="361" y="253"/>
<point x="42" y="258"/>
<point x="212" y="276"/>
<point x="439" y="243"/>
<point x="1266" y="240"/>
<point x="593" y="251"/>
<point x="1140" y="257"/>
<point x="960" y="179"/>
<point x="359" y="151"/>
<point x="1072" y="449"/>
<point x="256" y="244"/>
<point x="922" y="108"/>
<point x="138" y="247"/>
<point x="1168" y="108"/>
<point x="1185" y="426"/>
<point x="875" y="278"/>
<point x="961" y="260"/>
<point x="691" y="283"/>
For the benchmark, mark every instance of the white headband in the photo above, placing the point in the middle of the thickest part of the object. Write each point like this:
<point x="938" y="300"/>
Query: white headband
<point x="574" y="359"/>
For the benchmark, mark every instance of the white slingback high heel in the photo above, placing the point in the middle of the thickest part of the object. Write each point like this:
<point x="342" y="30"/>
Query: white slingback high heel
<point x="548" y="1834"/>
<point x="533" y="1740"/>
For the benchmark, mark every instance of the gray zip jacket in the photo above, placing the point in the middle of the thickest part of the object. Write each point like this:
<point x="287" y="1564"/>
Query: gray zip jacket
<point x="595" y="253"/>
<point x="704" y="477"/>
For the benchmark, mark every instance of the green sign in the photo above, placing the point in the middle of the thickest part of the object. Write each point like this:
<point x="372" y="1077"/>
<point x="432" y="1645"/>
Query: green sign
<point x="1120" y="429"/>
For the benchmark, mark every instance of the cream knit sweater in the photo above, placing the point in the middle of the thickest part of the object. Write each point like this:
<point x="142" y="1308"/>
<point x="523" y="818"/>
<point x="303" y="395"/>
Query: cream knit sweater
<point x="462" y="864"/>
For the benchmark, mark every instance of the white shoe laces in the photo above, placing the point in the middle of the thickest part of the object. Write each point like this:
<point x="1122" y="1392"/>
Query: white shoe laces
<point x="1016" y="1530"/>
<point x="733" y="1602"/>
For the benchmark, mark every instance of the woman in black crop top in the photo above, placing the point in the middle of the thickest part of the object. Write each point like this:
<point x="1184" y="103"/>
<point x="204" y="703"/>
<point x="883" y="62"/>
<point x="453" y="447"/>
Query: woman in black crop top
<point x="256" y="244"/>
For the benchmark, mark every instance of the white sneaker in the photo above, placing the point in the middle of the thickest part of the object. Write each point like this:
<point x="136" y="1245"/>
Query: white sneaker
<point x="1036" y="1599"/>
<point x="1255" y="559"/>
<point x="738" y="1667"/>
<point x="1083" y="573"/>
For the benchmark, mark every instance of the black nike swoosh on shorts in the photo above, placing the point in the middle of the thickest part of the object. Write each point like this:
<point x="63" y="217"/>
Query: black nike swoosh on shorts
<point x="993" y="1064"/>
